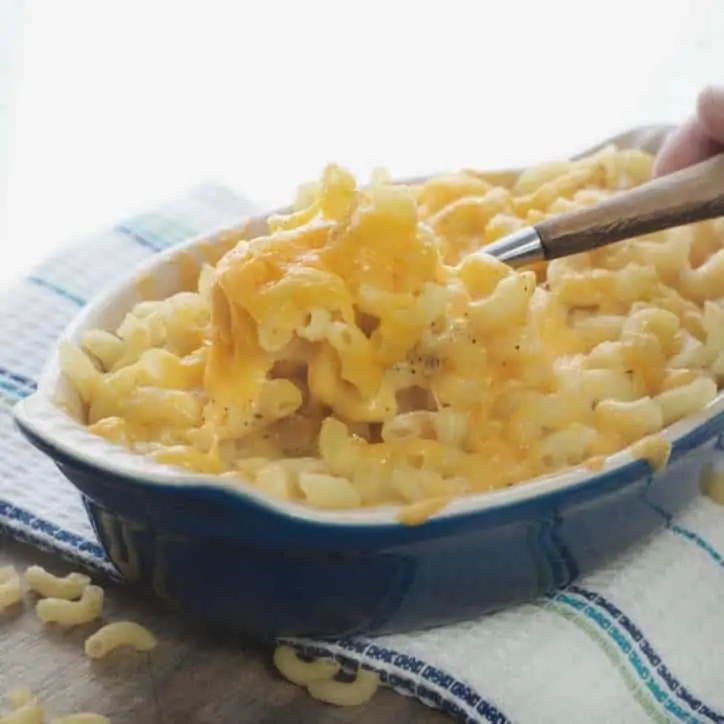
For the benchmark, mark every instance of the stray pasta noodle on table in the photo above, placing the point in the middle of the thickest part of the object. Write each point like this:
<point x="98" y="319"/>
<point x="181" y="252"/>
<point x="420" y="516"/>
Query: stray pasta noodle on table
<point x="45" y="584"/>
<point x="11" y="591"/>
<point x="58" y="606"/>
<point x="365" y="352"/>
<point x="72" y="613"/>
<point x="318" y="677"/>
<point x="119" y="634"/>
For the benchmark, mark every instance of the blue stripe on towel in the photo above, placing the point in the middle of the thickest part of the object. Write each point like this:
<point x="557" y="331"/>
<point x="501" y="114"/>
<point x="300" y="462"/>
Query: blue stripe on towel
<point x="139" y="238"/>
<point x="51" y="286"/>
<point x="698" y="541"/>
<point x="689" y="535"/>
<point x="411" y="676"/>
<point x="641" y="659"/>
<point x="16" y="385"/>
<point x="32" y="524"/>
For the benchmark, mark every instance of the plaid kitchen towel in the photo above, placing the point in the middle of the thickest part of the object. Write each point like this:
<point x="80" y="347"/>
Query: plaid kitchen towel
<point x="640" y="640"/>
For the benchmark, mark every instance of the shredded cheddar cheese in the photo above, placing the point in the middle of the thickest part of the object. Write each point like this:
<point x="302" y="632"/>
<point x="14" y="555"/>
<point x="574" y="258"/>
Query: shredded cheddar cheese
<point x="363" y="350"/>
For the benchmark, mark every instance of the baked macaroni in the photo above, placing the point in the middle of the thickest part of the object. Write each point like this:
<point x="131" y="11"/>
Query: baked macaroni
<point x="367" y="351"/>
<point x="117" y="634"/>
<point x="72" y="613"/>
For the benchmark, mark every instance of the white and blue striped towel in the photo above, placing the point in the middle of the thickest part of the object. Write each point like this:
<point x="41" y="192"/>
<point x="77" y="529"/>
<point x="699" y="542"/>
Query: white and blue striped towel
<point x="642" y="640"/>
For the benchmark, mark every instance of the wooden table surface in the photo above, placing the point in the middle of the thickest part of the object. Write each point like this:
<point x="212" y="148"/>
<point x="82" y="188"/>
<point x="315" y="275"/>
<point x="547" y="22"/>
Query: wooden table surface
<point x="189" y="678"/>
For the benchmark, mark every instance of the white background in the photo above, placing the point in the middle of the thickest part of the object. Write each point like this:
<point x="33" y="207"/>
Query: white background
<point x="118" y="105"/>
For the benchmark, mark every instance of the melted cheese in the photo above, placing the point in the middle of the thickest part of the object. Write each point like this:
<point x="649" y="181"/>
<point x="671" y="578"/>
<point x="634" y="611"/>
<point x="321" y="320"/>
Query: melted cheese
<point x="358" y="331"/>
<point x="654" y="449"/>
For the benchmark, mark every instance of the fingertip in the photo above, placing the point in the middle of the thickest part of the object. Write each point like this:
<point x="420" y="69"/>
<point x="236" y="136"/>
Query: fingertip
<point x="685" y="146"/>
<point x="668" y="158"/>
<point x="662" y="161"/>
<point x="709" y="97"/>
<point x="710" y="111"/>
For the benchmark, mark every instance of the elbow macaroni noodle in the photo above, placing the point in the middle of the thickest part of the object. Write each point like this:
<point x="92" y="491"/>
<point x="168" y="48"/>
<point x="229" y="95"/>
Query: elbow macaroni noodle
<point x="47" y="585"/>
<point x="318" y="677"/>
<point x="26" y="714"/>
<point x="10" y="588"/>
<point x="72" y="613"/>
<point x="363" y="353"/>
<point x="60" y="607"/>
<point x="20" y="697"/>
<point x="303" y="673"/>
<point x="117" y="634"/>
<point x="340" y="693"/>
<point x="25" y="708"/>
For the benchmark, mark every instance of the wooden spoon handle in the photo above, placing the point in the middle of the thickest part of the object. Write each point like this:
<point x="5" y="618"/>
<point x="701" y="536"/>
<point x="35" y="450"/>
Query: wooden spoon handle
<point x="693" y="194"/>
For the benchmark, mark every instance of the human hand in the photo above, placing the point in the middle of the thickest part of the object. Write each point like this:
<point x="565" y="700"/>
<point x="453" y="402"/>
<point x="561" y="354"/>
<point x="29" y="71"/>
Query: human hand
<point x="699" y="138"/>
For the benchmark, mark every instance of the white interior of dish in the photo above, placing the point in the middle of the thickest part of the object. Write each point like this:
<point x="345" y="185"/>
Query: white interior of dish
<point x="53" y="413"/>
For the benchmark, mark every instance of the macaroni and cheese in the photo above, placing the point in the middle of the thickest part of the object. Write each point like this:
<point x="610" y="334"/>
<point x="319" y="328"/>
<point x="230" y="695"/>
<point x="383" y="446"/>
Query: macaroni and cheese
<point x="366" y="351"/>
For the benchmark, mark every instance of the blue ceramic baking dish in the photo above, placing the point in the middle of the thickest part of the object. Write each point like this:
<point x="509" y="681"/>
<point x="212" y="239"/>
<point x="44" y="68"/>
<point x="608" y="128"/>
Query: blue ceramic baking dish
<point x="256" y="566"/>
